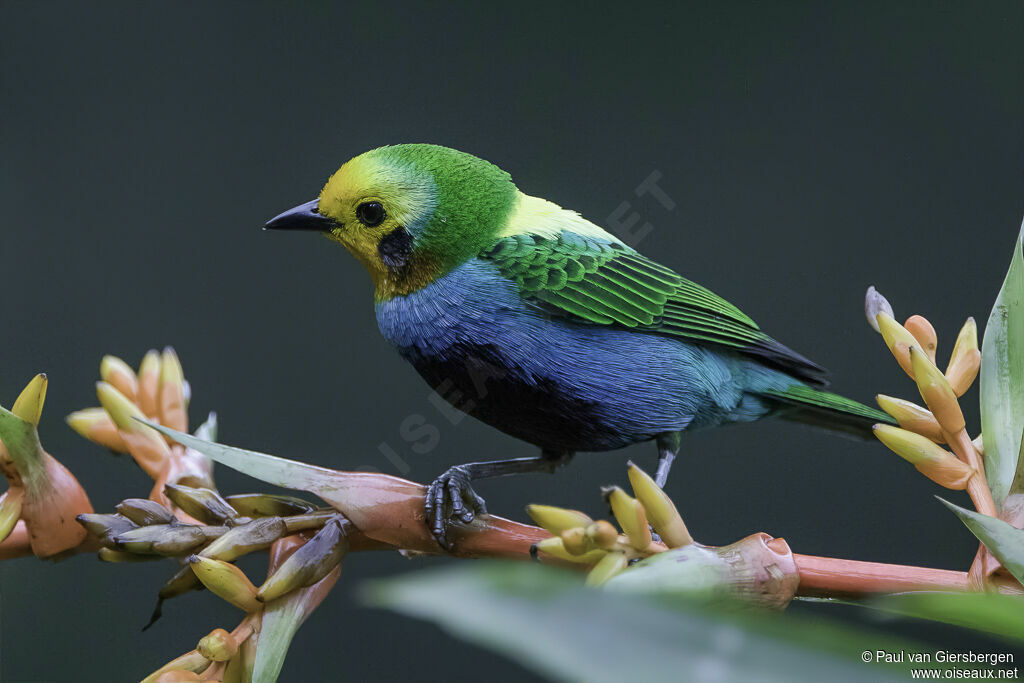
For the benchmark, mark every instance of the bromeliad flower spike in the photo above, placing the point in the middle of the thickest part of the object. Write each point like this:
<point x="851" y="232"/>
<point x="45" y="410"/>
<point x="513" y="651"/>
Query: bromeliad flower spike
<point x="542" y="324"/>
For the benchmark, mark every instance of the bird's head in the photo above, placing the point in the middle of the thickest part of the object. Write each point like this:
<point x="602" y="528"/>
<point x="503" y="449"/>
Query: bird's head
<point x="409" y="213"/>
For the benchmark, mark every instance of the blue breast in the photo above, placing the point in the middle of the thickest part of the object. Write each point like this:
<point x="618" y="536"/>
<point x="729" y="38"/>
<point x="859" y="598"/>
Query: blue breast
<point x="559" y="384"/>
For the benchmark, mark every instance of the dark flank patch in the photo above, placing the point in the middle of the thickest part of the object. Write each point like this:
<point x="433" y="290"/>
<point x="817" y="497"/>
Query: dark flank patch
<point x="395" y="248"/>
<point x="473" y="379"/>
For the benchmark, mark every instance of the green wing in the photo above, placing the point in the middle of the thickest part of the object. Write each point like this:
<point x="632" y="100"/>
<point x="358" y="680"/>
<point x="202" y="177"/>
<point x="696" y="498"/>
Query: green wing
<point x="595" y="281"/>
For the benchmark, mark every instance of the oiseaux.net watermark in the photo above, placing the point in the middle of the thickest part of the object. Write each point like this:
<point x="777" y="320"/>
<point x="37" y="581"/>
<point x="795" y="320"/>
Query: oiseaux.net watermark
<point x="950" y="664"/>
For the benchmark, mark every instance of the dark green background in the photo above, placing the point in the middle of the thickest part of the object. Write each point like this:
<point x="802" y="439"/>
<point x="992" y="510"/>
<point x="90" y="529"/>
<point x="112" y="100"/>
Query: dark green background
<point x="810" y="151"/>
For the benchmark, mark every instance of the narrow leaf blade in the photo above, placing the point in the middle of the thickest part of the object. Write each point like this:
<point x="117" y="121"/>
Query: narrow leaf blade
<point x="1005" y="541"/>
<point x="1002" y="379"/>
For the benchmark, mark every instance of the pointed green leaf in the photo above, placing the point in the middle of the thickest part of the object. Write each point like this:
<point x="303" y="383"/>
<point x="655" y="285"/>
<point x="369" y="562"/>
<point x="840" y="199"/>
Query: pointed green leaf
<point x="269" y="468"/>
<point x="1002" y="380"/>
<point x="1005" y="541"/>
<point x="543" y="619"/>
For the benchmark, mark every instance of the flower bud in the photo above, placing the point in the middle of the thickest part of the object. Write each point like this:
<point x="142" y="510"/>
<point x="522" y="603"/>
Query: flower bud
<point x="149" y="384"/>
<point x="660" y="509"/>
<point x="268" y="505"/>
<point x="601" y="534"/>
<point x="218" y="645"/>
<point x="912" y="417"/>
<point x="146" y="446"/>
<point x="119" y="375"/>
<point x="574" y="541"/>
<point x="226" y="581"/>
<point x="144" y="512"/>
<point x="875" y="303"/>
<point x="307" y="565"/>
<point x="924" y="333"/>
<point x="171" y="392"/>
<point x="607" y="567"/>
<point x="937" y="393"/>
<point x="10" y="510"/>
<point x="929" y="458"/>
<point x="105" y="528"/>
<point x="166" y="539"/>
<point x="29" y="406"/>
<point x="553" y="546"/>
<point x="965" y="361"/>
<point x="899" y="341"/>
<point x="246" y="538"/>
<point x="204" y="504"/>
<point x="631" y="517"/>
<point x="95" y="425"/>
<point x="555" y="519"/>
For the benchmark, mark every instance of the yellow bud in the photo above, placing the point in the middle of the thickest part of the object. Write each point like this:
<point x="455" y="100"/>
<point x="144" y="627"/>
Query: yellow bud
<point x="912" y="417"/>
<point x="146" y="445"/>
<point x="218" y="645"/>
<point x="631" y="517"/>
<point x="937" y="393"/>
<point x="29" y="406"/>
<point x="575" y="541"/>
<point x="149" y="383"/>
<point x="553" y="546"/>
<point x="10" y="510"/>
<point x="555" y="519"/>
<point x="171" y="393"/>
<point x="929" y="458"/>
<point x="660" y="509"/>
<point x="602" y="534"/>
<point x="924" y="333"/>
<point x="899" y="341"/>
<point x="96" y="426"/>
<point x="609" y="565"/>
<point x="965" y="361"/>
<point x="118" y="374"/>
<point x="226" y="581"/>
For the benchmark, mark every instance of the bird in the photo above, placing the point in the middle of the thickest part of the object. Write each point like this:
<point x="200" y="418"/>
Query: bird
<point x="544" y="325"/>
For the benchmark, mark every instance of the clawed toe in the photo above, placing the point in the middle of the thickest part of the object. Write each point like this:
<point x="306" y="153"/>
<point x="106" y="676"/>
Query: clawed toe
<point x="452" y="500"/>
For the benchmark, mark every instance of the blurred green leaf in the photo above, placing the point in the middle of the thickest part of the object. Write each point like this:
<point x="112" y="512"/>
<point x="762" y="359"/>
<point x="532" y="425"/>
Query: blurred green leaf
<point x="1002" y="380"/>
<point x="542" y="618"/>
<point x="1005" y="541"/>
<point x="1002" y="615"/>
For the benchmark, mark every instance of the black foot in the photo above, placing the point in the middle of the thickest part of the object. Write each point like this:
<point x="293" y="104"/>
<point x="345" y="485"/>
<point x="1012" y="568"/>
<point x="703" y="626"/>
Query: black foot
<point x="452" y="500"/>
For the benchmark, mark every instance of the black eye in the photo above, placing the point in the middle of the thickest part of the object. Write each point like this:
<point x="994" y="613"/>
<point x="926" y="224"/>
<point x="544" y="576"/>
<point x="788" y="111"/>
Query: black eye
<point x="370" y="214"/>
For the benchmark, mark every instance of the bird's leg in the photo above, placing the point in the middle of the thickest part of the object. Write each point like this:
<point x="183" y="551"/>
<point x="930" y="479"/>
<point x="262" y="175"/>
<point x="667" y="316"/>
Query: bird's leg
<point x="451" y="498"/>
<point x="668" y="448"/>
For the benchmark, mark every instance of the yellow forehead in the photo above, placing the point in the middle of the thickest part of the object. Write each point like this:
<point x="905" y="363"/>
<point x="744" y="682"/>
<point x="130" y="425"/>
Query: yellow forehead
<point x="409" y="196"/>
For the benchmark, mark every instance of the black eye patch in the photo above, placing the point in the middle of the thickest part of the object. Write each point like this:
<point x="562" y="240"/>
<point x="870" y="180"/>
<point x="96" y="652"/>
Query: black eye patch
<point x="395" y="248"/>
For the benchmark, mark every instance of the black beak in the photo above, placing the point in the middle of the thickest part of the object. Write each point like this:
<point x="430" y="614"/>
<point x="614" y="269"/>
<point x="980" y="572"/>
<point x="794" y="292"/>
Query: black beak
<point x="302" y="217"/>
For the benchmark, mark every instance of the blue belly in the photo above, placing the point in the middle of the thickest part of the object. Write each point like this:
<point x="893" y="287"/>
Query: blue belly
<point x="558" y="384"/>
